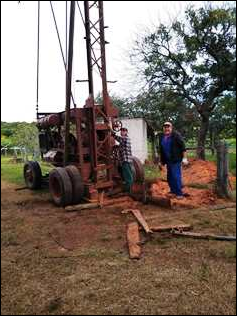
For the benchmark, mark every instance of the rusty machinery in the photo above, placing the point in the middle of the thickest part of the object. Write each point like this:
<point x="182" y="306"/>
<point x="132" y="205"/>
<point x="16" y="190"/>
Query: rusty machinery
<point x="78" y="141"/>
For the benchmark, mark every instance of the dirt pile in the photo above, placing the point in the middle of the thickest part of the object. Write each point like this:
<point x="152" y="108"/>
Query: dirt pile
<point x="196" y="198"/>
<point x="197" y="172"/>
<point x="200" y="175"/>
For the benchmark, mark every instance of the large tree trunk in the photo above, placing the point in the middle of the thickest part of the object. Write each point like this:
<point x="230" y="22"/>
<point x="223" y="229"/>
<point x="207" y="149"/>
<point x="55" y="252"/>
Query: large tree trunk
<point x="202" y="137"/>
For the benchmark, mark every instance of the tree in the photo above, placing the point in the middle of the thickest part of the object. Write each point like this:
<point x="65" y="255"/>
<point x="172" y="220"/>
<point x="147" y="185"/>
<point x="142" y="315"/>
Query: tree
<point x="166" y="105"/>
<point x="195" y="59"/>
<point x="223" y="120"/>
<point x="123" y="104"/>
<point x="26" y="136"/>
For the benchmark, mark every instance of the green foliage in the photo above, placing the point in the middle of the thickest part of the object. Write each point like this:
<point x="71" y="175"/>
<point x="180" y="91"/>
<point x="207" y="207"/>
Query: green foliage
<point x="20" y="134"/>
<point x="223" y="119"/>
<point x="193" y="58"/>
<point x="26" y="136"/>
<point x="231" y="143"/>
<point x="232" y="163"/>
<point x="151" y="172"/>
<point x="6" y="141"/>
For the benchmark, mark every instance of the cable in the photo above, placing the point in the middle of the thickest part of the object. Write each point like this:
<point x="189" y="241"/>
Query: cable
<point x="66" y="35"/>
<point x="37" y="76"/>
<point x="81" y="13"/>
<point x="60" y="44"/>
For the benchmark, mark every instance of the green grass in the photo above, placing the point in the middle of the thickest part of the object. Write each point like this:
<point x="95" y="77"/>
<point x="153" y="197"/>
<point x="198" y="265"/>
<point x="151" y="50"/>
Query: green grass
<point x="229" y="252"/>
<point x="13" y="172"/>
<point x="232" y="161"/>
<point x="231" y="142"/>
<point x="151" y="172"/>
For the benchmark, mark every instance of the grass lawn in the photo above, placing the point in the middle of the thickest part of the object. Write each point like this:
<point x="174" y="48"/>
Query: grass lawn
<point x="13" y="172"/>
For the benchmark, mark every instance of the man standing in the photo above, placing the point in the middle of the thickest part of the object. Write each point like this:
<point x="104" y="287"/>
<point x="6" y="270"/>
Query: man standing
<point x="172" y="152"/>
<point x="125" y="157"/>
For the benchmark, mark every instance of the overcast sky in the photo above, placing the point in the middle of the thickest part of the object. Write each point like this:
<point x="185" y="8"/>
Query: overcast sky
<point x="125" y="19"/>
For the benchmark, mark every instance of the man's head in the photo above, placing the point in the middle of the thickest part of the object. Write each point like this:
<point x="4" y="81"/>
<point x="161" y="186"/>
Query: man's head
<point x="167" y="128"/>
<point x="124" y="131"/>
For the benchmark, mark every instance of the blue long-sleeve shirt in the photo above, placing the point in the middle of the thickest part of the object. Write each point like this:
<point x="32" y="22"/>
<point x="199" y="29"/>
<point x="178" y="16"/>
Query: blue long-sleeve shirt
<point x="166" y="146"/>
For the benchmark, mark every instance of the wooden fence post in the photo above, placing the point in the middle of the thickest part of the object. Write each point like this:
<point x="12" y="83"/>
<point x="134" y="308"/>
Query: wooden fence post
<point x="222" y="181"/>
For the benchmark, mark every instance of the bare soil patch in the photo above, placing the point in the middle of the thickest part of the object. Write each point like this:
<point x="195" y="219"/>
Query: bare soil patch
<point x="55" y="262"/>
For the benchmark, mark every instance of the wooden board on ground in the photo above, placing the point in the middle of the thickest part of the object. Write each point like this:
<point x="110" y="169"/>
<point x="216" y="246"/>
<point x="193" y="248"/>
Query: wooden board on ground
<point x="204" y="236"/>
<point x="141" y="220"/>
<point x="133" y="240"/>
<point x="168" y="228"/>
<point x="79" y="207"/>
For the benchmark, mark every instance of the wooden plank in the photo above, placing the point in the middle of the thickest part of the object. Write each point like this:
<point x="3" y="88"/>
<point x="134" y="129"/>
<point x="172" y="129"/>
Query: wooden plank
<point x="133" y="240"/>
<point x="118" y="200"/>
<point x="101" y="198"/>
<point x="168" y="228"/>
<point x="141" y="220"/>
<point x="79" y="207"/>
<point x="103" y="185"/>
<point x="203" y="236"/>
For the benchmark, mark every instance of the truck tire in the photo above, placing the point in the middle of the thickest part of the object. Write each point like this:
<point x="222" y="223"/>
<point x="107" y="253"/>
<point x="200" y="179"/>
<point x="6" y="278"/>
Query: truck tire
<point x="60" y="186"/>
<point x="77" y="183"/>
<point x="32" y="175"/>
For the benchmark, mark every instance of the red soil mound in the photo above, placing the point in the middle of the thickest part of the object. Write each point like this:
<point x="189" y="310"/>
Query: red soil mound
<point x="198" y="172"/>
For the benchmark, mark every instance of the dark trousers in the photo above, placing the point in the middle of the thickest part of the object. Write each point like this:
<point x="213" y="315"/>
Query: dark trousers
<point x="127" y="176"/>
<point x="174" y="177"/>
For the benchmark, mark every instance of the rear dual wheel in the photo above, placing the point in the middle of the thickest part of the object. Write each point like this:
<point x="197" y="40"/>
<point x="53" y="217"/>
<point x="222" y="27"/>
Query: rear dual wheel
<point x="32" y="175"/>
<point x="66" y="185"/>
<point x="77" y="184"/>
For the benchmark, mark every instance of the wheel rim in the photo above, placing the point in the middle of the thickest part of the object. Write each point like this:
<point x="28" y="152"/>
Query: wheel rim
<point x="32" y="175"/>
<point x="56" y="188"/>
<point x="29" y="177"/>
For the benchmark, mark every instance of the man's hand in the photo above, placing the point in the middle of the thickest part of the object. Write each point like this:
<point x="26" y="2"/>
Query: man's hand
<point x="160" y="166"/>
<point x="185" y="161"/>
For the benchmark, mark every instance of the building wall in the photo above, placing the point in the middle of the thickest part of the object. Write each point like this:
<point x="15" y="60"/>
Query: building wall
<point x="137" y="131"/>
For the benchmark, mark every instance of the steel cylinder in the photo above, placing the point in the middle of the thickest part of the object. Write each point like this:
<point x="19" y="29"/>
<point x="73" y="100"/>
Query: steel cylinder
<point x="49" y="120"/>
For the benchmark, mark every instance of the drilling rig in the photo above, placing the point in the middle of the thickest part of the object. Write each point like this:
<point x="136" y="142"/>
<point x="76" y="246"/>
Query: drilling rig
<point x="79" y="142"/>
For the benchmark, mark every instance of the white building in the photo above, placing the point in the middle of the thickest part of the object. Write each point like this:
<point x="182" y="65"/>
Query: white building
<point x="137" y="131"/>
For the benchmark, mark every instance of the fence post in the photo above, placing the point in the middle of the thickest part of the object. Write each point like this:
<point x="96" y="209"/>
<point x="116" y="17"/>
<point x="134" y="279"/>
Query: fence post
<point x="222" y="181"/>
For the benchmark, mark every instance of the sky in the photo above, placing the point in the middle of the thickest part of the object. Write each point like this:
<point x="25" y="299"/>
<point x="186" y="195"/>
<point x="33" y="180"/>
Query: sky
<point x="126" y="21"/>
